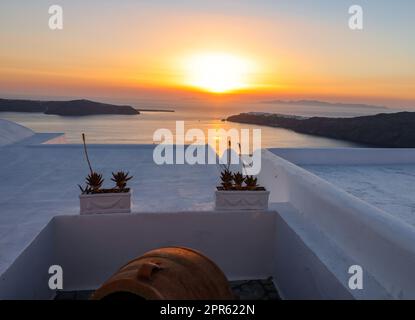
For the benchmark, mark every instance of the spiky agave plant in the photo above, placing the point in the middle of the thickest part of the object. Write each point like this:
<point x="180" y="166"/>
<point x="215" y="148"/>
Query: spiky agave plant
<point x="86" y="190"/>
<point x="121" y="178"/>
<point x="238" y="179"/>
<point x="94" y="181"/>
<point x="251" y="182"/>
<point x="227" y="177"/>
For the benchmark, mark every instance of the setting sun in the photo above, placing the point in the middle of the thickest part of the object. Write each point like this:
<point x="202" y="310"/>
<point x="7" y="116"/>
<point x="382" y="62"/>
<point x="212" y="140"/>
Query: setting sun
<point x="218" y="73"/>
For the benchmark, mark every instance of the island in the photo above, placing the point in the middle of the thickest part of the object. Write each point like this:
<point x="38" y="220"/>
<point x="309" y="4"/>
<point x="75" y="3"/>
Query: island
<point x="317" y="103"/>
<point x="65" y="108"/>
<point x="155" y="110"/>
<point x="387" y="130"/>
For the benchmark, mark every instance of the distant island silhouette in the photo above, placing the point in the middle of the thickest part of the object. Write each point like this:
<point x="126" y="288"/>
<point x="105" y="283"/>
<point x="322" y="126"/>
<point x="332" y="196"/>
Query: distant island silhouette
<point x="80" y="107"/>
<point x="389" y="130"/>
<point x="317" y="103"/>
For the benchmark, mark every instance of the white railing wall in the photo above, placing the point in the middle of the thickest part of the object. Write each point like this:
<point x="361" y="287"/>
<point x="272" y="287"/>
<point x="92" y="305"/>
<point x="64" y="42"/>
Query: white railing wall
<point x="382" y="244"/>
<point x="91" y="248"/>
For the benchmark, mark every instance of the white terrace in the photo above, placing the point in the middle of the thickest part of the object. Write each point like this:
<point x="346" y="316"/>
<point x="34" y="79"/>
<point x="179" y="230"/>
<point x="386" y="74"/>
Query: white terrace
<point x="307" y="240"/>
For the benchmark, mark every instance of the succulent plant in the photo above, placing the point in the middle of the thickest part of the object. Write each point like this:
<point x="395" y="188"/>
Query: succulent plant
<point x="238" y="179"/>
<point x="86" y="190"/>
<point x="251" y="182"/>
<point x="227" y="177"/>
<point x="94" y="181"/>
<point x="121" y="178"/>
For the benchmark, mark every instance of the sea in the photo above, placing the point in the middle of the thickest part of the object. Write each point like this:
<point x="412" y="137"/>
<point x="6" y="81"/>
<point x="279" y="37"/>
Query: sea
<point x="139" y="129"/>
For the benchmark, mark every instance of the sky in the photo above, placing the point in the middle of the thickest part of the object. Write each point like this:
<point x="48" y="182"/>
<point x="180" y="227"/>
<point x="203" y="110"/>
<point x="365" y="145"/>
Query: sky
<point x="251" y="49"/>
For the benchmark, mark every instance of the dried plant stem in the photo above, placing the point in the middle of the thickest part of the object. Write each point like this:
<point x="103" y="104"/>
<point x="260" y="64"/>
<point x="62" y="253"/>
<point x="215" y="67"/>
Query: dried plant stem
<point x="229" y="154"/>
<point x="86" y="153"/>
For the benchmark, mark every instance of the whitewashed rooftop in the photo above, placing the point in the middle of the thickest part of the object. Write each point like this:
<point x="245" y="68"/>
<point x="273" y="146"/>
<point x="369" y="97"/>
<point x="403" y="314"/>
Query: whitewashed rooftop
<point x="40" y="181"/>
<point x="390" y="187"/>
<point x="11" y="132"/>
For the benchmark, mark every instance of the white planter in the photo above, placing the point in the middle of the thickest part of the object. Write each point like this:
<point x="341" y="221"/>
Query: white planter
<point x="105" y="203"/>
<point x="241" y="200"/>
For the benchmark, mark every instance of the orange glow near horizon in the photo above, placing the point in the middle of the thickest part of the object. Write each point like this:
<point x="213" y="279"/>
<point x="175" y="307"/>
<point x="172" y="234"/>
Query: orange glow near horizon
<point x="200" y="51"/>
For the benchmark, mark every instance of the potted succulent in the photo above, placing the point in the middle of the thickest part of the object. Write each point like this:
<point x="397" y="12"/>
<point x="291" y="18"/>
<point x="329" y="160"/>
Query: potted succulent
<point x="239" y="192"/>
<point x="95" y="199"/>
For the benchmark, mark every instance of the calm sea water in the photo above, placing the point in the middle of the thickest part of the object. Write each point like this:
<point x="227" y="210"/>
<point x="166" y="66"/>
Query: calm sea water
<point x="140" y="129"/>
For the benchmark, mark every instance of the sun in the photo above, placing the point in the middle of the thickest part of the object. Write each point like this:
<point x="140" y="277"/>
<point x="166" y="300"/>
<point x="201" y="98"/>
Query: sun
<point x="217" y="72"/>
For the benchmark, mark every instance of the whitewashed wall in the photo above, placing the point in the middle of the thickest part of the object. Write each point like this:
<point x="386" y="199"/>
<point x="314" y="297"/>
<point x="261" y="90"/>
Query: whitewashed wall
<point x="346" y="156"/>
<point x="27" y="277"/>
<point x="361" y="234"/>
<point x="91" y="248"/>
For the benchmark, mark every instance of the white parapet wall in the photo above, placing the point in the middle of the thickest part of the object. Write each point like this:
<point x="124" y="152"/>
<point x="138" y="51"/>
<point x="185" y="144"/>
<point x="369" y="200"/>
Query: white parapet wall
<point x="28" y="277"/>
<point x="340" y="229"/>
<point x="346" y="156"/>
<point x="91" y="248"/>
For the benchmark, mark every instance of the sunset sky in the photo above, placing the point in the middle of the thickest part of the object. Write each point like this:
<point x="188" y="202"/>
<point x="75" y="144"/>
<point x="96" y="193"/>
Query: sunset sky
<point x="279" y="49"/>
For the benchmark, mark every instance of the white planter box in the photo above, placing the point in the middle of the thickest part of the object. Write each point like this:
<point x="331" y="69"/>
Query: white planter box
<point x="241" y="200"/>
<point x="105" y="203"/>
